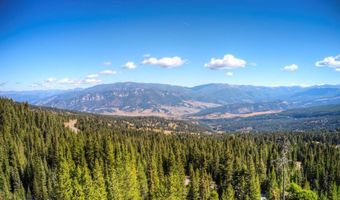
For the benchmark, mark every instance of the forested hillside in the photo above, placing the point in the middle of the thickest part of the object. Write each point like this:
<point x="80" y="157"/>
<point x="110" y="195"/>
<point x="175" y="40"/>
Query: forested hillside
<point x="318" y="118"/>
<point x="40" y="158"/>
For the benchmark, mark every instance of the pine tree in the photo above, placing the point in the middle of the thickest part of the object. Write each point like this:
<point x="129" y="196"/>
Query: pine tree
<point x="153" y="179"/>
<point x="254" y="184"/>
<point x="193" y="192"/>
<point x="77" y="187"/>
<point x="333" y="193"/>
<point x="131" y="180"/>
<point x="142" y="180"/>
<point x="98" y="182"/>
<point x="229" y="193"/>
<point x="87" y="184"/>
<point x="64" y="185"/>
<point x="273" y="191"/>
<point x="240" y="182"/>
<point x="4" y="187"/>
<point x="213" y="195"/>
<point x="204" y="186"/>
<point x="175" y="182"/>
<point x="39" y="181"/>
<point x="114" y="189"/>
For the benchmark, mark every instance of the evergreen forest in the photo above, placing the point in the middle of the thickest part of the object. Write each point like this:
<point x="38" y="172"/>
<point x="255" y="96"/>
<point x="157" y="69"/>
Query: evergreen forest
<point x="41" y="158"/>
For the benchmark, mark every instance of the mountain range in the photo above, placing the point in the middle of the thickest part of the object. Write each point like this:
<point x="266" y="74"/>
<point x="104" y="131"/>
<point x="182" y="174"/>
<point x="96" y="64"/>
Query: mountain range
<point x="204" y="101"/>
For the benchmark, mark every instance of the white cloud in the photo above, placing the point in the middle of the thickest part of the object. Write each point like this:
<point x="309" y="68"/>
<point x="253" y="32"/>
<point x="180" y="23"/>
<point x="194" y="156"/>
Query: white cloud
<point x="44" y="84"/>
<point x="50" y="80"/>
<point x="92" y="76"/>
<point x="87" y="80"/>
<point x="108" y="72"/>
<point x="107" y="63"/>
<point x="130" y="65"/>
<point x="67" y="81"/>
<point x="77" y="82"/>
<point x="227" y="62"/>
<point x="48" y="83"/>
<point x="290" y="68"/>
<point x="91" y="81"/>
<point x="229" y="74"/>
<point x="331" y="61"/>
<point x="165" y="62"/>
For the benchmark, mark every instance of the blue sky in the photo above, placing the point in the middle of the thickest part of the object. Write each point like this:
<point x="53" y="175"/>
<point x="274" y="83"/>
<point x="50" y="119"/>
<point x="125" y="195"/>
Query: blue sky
<point x="64" y="44"/>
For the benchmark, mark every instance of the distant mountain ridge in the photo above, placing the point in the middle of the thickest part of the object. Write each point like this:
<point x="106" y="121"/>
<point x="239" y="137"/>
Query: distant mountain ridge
<point x="151" y="99"/>
<point x="29" y="96"/>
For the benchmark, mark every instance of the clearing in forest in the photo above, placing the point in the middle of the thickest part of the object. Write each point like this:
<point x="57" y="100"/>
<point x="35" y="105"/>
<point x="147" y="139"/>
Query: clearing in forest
<point x="71" y="124"/>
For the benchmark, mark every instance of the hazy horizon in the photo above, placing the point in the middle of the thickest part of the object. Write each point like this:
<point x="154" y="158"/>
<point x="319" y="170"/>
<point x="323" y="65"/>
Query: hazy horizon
<point x="170" y="84"/>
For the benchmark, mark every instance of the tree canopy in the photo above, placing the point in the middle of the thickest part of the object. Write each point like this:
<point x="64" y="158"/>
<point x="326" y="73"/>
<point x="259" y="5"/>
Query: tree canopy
<point x="40" y="158"/>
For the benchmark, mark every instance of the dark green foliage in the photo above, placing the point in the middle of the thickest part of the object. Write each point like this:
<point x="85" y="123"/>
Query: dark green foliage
<point x="41" y="159"/>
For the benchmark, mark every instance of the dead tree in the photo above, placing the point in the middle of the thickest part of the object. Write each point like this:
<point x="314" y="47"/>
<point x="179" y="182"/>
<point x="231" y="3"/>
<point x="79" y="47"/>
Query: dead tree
<point x="283" y="161"/>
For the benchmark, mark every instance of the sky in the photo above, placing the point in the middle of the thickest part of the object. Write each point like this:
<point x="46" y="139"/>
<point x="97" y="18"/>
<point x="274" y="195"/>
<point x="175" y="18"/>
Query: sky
<point x="72" y="44"/>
